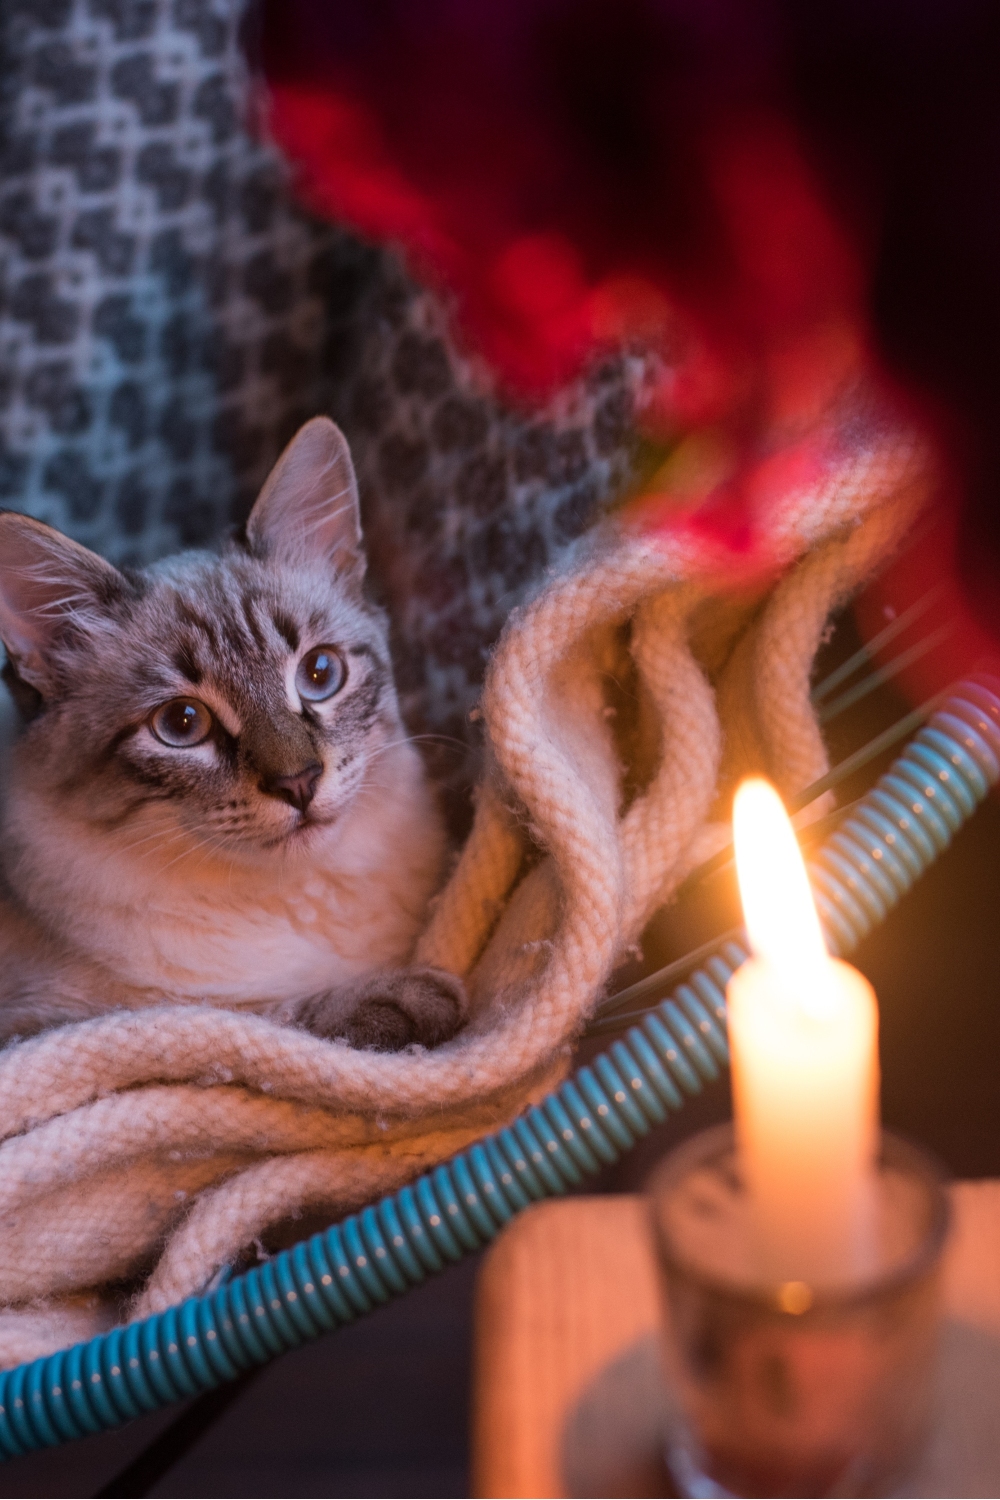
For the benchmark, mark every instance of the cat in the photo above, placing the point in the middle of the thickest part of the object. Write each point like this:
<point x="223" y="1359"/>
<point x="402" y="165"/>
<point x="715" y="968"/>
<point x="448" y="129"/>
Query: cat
<point x="211" y="797"/>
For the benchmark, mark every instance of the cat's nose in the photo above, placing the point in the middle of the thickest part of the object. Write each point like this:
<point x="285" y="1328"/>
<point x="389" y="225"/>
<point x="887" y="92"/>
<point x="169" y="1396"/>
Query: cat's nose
<point x="298" y="789"/>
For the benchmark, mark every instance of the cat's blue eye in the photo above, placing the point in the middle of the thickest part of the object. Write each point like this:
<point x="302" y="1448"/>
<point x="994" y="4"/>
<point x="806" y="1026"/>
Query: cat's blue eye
<point x="181" y="722"/>
<point x="320" y="674"/>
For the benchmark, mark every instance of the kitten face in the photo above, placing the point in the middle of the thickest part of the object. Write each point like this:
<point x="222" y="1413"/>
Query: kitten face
<point x="233" y="704"/>
<point x="235" y="637"/>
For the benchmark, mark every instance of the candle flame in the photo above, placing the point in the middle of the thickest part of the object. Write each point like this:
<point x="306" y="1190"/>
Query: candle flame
<point x="778" y="907"/>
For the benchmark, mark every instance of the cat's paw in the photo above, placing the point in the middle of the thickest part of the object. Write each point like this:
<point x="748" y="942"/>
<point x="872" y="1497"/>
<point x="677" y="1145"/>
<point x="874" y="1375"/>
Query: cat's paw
<point x="394" y="1009"/>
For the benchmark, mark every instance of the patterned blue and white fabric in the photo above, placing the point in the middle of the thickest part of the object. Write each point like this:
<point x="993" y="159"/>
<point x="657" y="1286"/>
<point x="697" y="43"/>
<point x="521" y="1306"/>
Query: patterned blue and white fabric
<point x="169" y="316"/>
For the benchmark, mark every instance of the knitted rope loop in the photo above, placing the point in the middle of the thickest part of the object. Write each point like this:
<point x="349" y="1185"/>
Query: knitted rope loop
<point x="229" y="1122"/>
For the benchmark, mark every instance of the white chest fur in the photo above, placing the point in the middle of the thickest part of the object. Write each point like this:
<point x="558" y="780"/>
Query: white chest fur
<point x="351" y="899"/>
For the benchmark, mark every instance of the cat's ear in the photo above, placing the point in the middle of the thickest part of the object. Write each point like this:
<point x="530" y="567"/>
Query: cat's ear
<point x="308" y="508"/>
<point x="48" y="585"/>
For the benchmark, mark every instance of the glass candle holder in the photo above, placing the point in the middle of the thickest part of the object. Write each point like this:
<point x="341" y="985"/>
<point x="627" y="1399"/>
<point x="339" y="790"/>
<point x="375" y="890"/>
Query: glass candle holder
<point x="792" y="1389"/>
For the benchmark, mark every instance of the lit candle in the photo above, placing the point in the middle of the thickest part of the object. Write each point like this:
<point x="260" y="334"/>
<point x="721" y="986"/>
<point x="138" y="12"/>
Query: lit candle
<point x="803" y="1034"/>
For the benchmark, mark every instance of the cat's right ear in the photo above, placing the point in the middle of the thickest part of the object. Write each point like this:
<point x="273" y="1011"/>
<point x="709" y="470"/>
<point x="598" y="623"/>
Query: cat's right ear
<point x="308" y="508"/>
<point x="48" y="585"/>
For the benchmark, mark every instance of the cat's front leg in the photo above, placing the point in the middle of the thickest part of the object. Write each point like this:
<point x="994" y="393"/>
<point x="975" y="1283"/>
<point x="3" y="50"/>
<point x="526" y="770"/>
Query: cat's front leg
<point x="385" y="1011"/>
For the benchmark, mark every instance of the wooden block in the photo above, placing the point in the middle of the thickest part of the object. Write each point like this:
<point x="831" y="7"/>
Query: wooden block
<point x="567" y="1393"/>
<point x="972" y="1265"/>
<point x="570" y="1285"/>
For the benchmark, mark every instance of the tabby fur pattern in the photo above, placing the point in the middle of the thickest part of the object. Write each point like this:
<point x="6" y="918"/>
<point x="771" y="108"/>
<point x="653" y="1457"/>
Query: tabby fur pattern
<point x="278" y="850"/>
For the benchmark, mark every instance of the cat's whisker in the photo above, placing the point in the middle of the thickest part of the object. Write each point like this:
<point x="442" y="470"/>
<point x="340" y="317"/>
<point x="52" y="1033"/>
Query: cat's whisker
<point x="160" y="836"/>
<point x="876" y="746"/>
<point x="163" y="846"/>
<point x="161" y="839"/>
<point x="200" y="844"/>
<point x="868" y="651"/>
<point x="216" y="847"/>
<point x="369" y="788"/>
<point x="377" y="755"/>
<point x="167" y="831"/>
<point x="392" y="745"/>
<point x="886" y="673"/>
<point x="414" y="739"/>
<point x="439" y="739"/>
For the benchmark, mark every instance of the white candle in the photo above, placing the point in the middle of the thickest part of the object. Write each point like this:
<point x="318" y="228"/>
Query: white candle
<point x="803" y="1034"/>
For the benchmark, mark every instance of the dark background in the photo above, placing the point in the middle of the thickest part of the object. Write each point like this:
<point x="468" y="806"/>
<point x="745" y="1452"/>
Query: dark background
<point x="899" y="102"/>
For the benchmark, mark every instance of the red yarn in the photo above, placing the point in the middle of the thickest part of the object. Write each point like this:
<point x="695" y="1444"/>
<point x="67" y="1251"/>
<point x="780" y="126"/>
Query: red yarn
<point x="578" y="175"/>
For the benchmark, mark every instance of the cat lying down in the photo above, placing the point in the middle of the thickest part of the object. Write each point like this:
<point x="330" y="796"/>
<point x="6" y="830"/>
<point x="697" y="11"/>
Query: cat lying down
<point x="211" y="797"/>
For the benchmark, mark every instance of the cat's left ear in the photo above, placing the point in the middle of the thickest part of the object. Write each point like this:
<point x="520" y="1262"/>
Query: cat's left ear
<point x="308" y="508"/>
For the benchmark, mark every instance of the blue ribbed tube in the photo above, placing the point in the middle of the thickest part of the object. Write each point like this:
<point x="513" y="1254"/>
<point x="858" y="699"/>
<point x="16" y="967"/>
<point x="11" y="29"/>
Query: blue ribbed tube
<point x="897" y="830"/>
